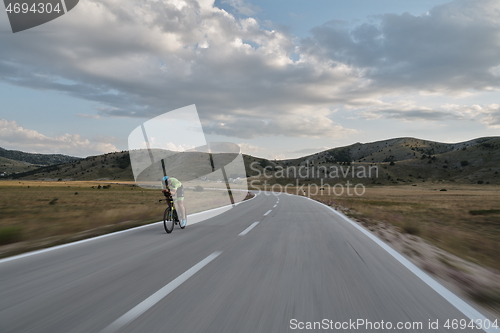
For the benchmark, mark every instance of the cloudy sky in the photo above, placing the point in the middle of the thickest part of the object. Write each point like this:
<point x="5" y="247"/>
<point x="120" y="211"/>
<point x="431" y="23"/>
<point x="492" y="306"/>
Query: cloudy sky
<point x="282" y="78"/>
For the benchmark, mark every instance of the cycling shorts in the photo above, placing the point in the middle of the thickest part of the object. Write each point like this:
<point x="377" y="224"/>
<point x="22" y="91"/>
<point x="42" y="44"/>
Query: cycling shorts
<point x="180" y="193"/>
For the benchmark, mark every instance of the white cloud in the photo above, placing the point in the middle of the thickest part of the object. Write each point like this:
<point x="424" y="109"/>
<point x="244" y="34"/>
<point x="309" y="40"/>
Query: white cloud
<point x="141" y="58"/>
<point x="160" y="144"/>
<point x="182" y="147"/>
<point x="307" y="151"/>
<point x="13" y="136"/>
<point x="407" y="111"/>
<point x="247" y="148"/>
<point x="451" y="49"/>
<point x="303" y="121"/>
<point x="276" y="156"/>
<point x="487" y="114"/>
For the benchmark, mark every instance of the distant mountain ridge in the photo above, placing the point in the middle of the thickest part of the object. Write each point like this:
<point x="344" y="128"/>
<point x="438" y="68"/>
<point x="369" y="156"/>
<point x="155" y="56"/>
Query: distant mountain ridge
<point x="38" y="159"/>
<point x="410" y="160"/>
<point x="399" y="160"/>
<point x="398" y="149"/>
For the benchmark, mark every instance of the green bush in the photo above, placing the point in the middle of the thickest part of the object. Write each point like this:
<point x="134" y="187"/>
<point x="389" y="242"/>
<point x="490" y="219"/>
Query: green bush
<point x="10" y="234"/>
<point x="464" y="163"/>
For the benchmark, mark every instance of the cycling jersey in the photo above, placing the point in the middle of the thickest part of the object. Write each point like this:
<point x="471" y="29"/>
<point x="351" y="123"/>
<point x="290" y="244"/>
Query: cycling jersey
<point x="174" y="183"/>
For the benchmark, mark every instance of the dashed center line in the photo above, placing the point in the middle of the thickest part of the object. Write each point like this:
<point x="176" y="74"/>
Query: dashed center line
<point x="158" y="296"/>
<point x="244" y="232"/>
<point x="268" y="212"/>
<point x="275" y="206"/>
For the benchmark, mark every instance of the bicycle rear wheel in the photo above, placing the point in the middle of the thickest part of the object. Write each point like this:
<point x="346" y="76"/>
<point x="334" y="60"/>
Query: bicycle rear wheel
<point x="168" y="220"/>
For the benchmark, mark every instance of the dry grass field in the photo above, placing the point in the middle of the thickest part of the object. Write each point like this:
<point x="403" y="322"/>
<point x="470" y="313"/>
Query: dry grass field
<point x="34" y="210"/>
<point x="463" y="220"/>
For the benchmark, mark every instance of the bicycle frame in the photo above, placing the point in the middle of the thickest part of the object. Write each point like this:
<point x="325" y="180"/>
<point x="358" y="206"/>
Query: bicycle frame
<point x="172" y="212"/>
<point x="170" y="202"/>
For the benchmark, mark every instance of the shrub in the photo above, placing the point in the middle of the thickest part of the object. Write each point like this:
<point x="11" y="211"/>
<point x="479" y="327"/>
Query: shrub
<point x="10" y="234"/>
<point x="53" y="201"/>
<point x="484" y="211"/>
<point x="464" y="163"/>
<point x="480" y="182"/>
<point x="124" y="162"/>
<point x="411" y="228"/>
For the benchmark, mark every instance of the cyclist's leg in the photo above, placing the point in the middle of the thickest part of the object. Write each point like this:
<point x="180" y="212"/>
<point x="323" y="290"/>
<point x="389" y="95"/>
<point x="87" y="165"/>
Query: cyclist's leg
<point x="180" y="207"/>
<point x="180" y="203"/>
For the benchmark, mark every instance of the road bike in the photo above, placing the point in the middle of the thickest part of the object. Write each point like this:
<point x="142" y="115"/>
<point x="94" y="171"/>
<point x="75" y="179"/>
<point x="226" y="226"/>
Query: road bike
<point x="170" y="217"/>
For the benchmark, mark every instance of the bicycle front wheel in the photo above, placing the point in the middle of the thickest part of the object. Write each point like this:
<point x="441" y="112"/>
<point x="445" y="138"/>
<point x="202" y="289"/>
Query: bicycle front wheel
<point x="168" y="220"/>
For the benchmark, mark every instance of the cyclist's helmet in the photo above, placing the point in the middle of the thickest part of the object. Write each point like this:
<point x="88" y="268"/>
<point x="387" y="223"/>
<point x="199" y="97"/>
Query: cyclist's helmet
<point x="165" y="179"/>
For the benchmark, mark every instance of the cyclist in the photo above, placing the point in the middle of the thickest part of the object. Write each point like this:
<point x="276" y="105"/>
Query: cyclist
<point x="174" y="186"/>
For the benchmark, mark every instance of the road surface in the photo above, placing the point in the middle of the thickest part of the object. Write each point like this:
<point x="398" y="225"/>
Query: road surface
<point x="273" y="264"/>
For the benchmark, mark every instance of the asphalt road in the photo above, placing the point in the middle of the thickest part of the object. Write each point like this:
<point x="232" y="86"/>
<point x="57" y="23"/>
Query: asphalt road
<point x="300" y="263"/>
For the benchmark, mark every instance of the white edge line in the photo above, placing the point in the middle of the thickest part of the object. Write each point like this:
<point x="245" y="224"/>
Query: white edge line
<point x="27" y="254"/>
<point x="454" y="300"/>
<point x="268" y="212"/>
<point x="158" y="296"/>
<point x="244" y="232"/>
<point x="64" y="6"/>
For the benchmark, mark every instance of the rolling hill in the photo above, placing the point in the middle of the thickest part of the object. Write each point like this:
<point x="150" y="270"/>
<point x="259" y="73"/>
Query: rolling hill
<point x="37" y="159"/>
<point x="8" y="166"/>
<point x="407" y="160"/>
<point x="399" y="161"/>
